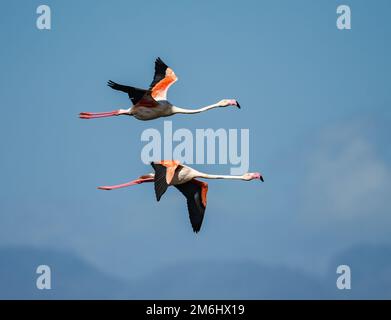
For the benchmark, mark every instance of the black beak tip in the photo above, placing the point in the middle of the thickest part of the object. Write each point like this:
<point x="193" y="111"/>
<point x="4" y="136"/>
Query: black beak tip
<point x="261" y="178"/>
<point x="237" y="104"/>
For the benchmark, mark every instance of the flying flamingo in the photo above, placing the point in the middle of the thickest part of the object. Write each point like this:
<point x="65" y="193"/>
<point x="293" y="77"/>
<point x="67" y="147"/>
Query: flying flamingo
<point x="152" y="103"/>
<point x="172" y="173"/>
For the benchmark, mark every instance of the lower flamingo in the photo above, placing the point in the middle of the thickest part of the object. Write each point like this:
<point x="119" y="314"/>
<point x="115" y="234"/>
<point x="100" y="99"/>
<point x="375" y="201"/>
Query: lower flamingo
<point x="173" y="173"/>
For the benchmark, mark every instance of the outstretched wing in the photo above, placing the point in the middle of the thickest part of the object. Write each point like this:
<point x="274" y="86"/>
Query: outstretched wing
<point x="164" y="172"/>
<point x="164" y="77"/>
<point x="135" y="94"/>
<point x="195" y="192"/>
<point x="160" y="182"/>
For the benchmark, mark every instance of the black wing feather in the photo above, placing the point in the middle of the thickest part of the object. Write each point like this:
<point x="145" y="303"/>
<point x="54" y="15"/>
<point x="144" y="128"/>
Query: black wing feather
<point x="135" y="94"/>
<point x="192" y="192"/>
<point x="160" y="72"/>
<point x="160" y="181"/>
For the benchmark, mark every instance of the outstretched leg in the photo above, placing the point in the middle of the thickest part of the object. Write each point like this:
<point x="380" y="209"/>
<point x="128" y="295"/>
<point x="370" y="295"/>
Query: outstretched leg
<point x="94" y="115"/>
<point x="142" y="179"/>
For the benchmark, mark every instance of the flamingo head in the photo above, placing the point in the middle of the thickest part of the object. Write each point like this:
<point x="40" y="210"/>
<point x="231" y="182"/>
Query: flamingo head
<point x="229" y="102"/>
<point x="252" y="176"/>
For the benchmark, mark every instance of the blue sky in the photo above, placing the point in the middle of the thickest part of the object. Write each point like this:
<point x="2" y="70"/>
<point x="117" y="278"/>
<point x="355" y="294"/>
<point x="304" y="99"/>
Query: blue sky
<point x="316" y="101"/>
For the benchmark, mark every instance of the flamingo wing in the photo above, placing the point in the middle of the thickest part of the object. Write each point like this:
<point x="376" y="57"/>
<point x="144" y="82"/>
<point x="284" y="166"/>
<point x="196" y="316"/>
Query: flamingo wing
<point x="135" y="94"/>
<point x="195" y="192"/>
<point x="164" y="77"/>
<point x="160" y="183"/>
<point x="164" y="172"/>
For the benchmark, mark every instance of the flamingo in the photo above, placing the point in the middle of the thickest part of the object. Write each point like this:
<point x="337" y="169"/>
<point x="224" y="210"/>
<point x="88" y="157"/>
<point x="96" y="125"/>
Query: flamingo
<point x="173" y="173"/>
<point x="152" y="103"/>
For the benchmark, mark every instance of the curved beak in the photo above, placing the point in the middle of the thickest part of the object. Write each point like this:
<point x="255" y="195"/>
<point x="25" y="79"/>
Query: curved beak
<point x="237" y="104"/>
<point x="261" y="178"/>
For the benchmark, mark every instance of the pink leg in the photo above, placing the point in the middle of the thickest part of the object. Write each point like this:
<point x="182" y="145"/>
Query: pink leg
<point x="94" y="115"/>
<point x="127" y="184"/>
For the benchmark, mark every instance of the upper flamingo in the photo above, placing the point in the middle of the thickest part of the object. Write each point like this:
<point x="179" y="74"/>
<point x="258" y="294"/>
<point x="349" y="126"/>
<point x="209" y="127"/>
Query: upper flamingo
<point x="152" y="103"/>
<point x="172" y="173"/>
